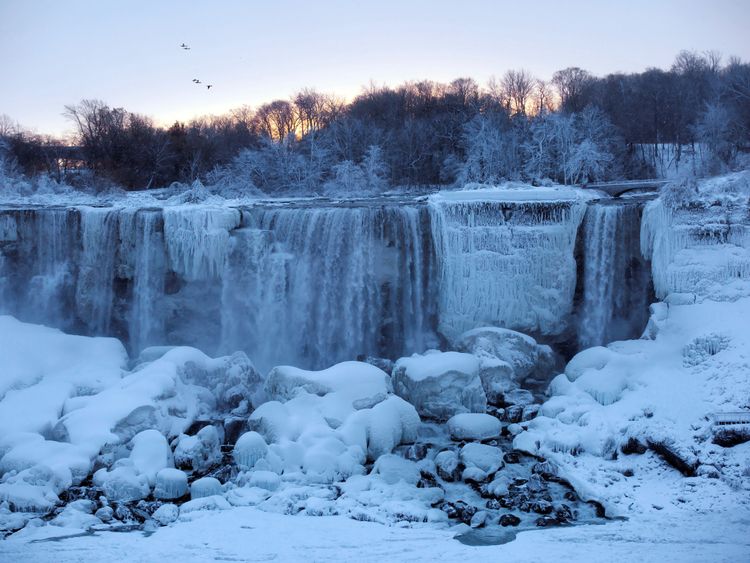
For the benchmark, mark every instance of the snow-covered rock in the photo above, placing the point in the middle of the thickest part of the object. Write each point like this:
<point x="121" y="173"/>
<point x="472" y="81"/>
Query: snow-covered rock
<point x="487" y="459"/>
<point x="123" y="482"/>
<point x="150" y="454"/>
<point x="392" y="469"/>
<point x="440" y="384"/>
<point x="507" y="358"/>
<point x="198" y="452"/>
<point x="166" y="514"/>
<point x="363" y="384"/>
<point x="473" y="426"/>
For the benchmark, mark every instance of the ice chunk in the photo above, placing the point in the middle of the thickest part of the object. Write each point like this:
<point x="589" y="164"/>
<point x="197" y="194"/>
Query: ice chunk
<point x="473" y="426"/>
<point x="249" y="449"/>
<point x="440" y="384"/>
<point x="267" y="480"/>
<point x="205" y="487"/>
<point x="170" y="483"/>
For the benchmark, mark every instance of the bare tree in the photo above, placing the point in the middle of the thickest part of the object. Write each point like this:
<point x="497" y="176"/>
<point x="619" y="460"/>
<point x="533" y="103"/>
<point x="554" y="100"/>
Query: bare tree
<point x="516" y="88"/>
<point x="571" y="84"/>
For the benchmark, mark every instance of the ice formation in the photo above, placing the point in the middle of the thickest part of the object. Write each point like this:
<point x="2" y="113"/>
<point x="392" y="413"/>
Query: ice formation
<point x="505" y="262"/>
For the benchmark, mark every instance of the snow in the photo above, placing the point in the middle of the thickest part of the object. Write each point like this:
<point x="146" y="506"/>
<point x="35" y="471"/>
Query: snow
<point x="150" y="453"/>
<point x="198" y="452"/>
<point x="440" y="384"/>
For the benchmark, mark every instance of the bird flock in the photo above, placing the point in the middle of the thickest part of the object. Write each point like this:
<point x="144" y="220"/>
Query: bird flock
<point x="196" y="81"/>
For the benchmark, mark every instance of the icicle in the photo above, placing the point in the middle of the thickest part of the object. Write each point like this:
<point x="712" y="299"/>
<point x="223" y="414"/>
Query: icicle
<point x="506" y="263"/>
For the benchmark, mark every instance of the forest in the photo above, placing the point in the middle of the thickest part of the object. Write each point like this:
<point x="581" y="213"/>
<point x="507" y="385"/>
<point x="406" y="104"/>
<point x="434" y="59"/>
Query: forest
<point x="575" y="128"/>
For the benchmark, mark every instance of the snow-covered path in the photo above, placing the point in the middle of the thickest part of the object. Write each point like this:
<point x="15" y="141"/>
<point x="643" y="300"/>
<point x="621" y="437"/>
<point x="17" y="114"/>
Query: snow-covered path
<point x="247" y="534"/>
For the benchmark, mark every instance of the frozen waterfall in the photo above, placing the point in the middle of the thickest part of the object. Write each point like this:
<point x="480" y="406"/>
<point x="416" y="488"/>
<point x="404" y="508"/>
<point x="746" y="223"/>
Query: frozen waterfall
<point x="313" y="283"/>
<point x="505" y="263"/>
<point x="616" y="282"/>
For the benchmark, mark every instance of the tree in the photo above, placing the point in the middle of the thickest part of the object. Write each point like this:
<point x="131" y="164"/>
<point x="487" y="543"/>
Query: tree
<point x="572" y="84"/>
<point x="516" y="89"/>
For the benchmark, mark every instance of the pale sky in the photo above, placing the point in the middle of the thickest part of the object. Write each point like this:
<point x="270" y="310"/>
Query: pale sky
<point x="57" y="52"/>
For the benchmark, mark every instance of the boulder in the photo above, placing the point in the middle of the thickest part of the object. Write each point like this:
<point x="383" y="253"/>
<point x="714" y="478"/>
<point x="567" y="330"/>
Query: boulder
<point x="473" y="427"/>
<point x="440" y="384"/>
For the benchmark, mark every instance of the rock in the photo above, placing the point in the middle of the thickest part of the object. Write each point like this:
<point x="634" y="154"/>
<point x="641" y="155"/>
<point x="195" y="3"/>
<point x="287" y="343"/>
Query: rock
<point x="393" y="469"/>
<point x="564" y="514"/>
<point x="546" y="469"/>
<point x="234" y="427"/>
<point x="522" y="397"/>
<point x="105" y="514"/>
<point x="542" y="507"/>
<point x="448" y="465"/>
<point x="509" y="520"/>
<point x="535" y="484"/>
<point x="199" y="452"/>
<point x="122" y="483"/>
<point x="633" y="446"/>
<point x="440" y="384"/>
<point x="479" y="520"/>
<point x="473" y="426"/>
<point x="529" y="412"/>
<point x="487" y="458"/>
<point x="675" y="455"/>
<point x="730" y="436"/>
<point x="383" y="363"/>
<point x="233" y="379"/>
<point x="514" y="414"/>
<point x="512" y="457"/>
<point x="150" y="454"/>
<point x="520" y="351"/>
<point x="170" y="484"/>
<point x="415" y="452"/>
<point x="545" y="521"/>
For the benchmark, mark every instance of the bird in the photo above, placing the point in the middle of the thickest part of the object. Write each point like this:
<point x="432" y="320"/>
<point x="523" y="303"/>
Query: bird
<point x="208" y="86"/>
<point x="196" y="81"/>
<point x="185" y="47"/>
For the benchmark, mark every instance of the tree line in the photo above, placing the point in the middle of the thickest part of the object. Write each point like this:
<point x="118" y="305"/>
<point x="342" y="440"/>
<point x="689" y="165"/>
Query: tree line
<point x="575" y="128"/>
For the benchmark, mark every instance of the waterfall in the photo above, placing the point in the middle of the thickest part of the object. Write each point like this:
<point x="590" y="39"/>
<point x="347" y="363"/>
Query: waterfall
<point x="505" y="263"/>
<point x="323" y="284"/>
<point x="147" y="315"/>
<point x="96" y="271"/>
<point x="616" y="282"/>
<point x="314" y="283"/>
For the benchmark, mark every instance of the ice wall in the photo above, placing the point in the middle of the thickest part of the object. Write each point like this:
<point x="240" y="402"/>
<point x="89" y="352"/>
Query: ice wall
<point x="698" y="239"/>
<point x="616" y="284"/>
<point x="505" y="262"/>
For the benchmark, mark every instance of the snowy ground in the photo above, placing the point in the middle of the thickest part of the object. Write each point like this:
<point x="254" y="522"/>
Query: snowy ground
<point x="247" y="534"/>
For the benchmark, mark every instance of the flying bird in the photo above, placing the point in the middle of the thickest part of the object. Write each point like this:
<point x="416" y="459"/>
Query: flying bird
<point x="185" y="47"/>
<point x="208" y="86"/>
<point x="196" y="81"/>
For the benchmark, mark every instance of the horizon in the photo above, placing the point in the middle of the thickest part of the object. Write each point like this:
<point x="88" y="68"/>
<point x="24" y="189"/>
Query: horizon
<point x="252" y="64"/>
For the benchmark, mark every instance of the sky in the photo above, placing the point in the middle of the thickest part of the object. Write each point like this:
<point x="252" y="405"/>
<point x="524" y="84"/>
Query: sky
<point x="127" y="53"/>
